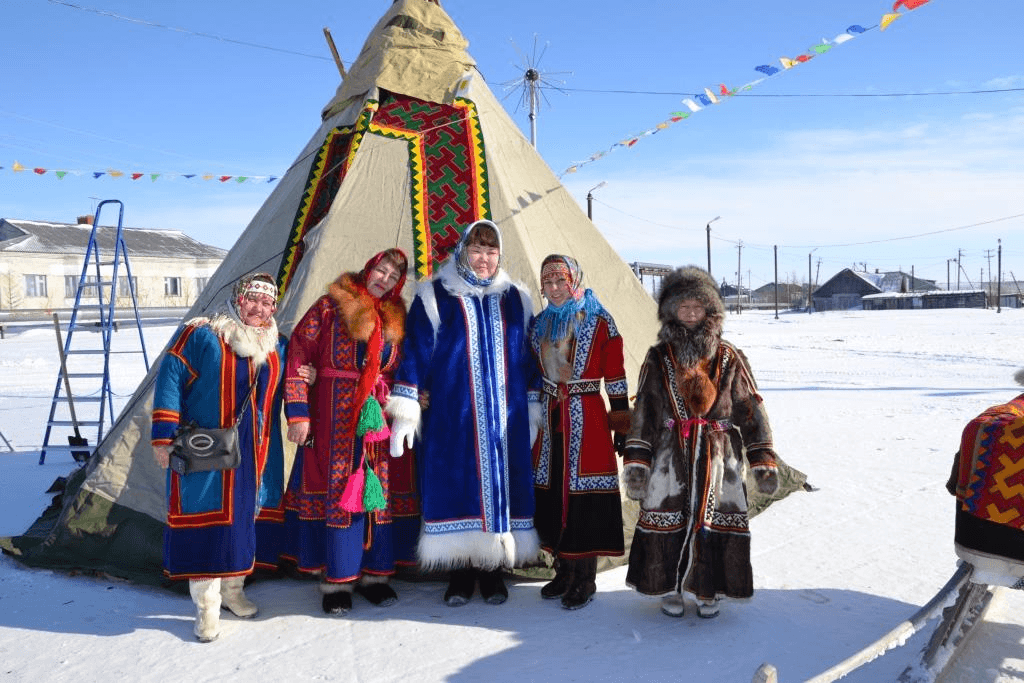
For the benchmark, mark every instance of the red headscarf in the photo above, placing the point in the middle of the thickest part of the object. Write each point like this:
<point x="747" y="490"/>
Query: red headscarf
<point x="371" y="370"/>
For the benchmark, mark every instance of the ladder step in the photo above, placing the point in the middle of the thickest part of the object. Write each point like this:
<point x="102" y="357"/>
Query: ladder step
<point x="84" y="374"/>
<point x="69" y="423"/>
<point x="80" y="399"/>
<point x="86" y="351"/>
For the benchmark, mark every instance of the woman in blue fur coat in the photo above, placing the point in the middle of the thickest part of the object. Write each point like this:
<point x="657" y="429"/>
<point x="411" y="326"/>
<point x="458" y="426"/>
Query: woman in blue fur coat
<point x="466" y="347"/>
<point x="205" y="376"/>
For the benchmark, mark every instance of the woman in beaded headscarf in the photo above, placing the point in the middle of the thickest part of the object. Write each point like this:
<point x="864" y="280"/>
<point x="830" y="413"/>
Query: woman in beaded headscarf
<point x="216" y="368"/>
<point x="338" y="521"/>
<point x="575" y="475"/>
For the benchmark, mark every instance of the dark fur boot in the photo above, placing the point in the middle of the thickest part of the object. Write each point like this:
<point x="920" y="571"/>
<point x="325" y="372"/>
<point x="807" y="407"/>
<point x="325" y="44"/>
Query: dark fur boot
<point x="557" y="587"/>
<point x="584" y="578"/>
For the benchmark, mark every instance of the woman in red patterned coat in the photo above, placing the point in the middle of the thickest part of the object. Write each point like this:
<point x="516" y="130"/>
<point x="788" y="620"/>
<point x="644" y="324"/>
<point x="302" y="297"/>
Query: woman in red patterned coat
<point x="575" y="475"/>
<point x="338" y="520"/>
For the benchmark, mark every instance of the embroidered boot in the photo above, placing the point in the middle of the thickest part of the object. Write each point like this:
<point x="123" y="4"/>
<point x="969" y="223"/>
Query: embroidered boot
<point x="557" y="587"/>
<point x="337" y="597"/>
<point x="232" y="597"/>
<point x="460" y="587"/>
<point x="206" y="596"/>
<point x="377" y="591"/>
<point x="584" y="584"/>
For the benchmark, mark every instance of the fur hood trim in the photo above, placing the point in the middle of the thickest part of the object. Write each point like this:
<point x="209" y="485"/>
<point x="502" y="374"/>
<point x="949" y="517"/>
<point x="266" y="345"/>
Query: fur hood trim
<point x="689" y="282"/>
<point x="356" y="307"/>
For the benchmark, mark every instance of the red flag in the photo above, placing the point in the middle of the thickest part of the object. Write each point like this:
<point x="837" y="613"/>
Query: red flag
<point x="40" y="171"/>
<point x="136" y="176"/>
<point x="909" y="4"/>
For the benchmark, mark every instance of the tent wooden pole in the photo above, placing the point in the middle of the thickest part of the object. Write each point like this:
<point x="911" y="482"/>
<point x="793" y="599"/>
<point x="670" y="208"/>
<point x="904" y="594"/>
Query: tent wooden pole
<point x="334" y="51"/>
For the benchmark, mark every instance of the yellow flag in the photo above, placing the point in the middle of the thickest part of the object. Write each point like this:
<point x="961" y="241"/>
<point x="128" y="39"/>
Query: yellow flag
<point x="888" y="19"/>
<point x="17" y="167"/>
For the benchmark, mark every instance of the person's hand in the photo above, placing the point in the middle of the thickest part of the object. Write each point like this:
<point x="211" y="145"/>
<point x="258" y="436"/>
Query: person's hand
<point x="402" y="435"/>
<point x="767" y="480"/>
<point x="424" y="399"/>
<point x="619" y="440"/>
<point x="635" y="478"/>
<point x="307" y="373"/>
<point x="298" y="432"/>
<point x="162" y="455"/>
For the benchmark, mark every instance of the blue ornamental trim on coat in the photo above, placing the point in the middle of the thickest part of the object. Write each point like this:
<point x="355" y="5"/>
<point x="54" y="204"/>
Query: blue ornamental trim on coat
<point x="617" y="388"/>
<point x="405" y="391"/>
<point x="454" y="526"/>
<point x="493" y="492"/>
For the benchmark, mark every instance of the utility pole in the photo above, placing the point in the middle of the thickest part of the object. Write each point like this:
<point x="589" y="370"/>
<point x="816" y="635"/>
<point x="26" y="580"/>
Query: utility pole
<point x="999" y="275"/>
<point x="959" y="253"/>
<point x="739" y="273"/>
<point x="776" y="249"/>
<point x="988" y="257"/>
<point x="947" y="274"/>
<point x="709" y="241"/>
<point x="809" y="284"/>
<point x="590" y="196"/>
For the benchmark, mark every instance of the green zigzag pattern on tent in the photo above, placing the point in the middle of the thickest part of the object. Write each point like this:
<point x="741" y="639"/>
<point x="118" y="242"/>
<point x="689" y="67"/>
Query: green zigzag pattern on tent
<point x="448" y="188"/>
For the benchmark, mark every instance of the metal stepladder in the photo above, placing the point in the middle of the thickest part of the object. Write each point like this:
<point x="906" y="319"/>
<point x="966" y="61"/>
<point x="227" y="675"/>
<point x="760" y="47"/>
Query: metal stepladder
<point x="100" y="290"/>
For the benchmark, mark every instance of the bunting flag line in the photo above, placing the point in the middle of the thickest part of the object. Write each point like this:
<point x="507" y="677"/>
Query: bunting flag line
<point x="707" y="98"/>
<point x="18" y="167"/>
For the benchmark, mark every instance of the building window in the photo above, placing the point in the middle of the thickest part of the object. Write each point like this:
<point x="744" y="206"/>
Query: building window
<point x="122" y="285"/>
<point x="35" y="285"/>
<point x="201" y="283"/>
<point x="71" y="286"/>
<point x="172" y="286"/>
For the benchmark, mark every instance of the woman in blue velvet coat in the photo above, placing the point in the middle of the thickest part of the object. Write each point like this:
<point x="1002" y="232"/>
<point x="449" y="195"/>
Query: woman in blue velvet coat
<point x="466" y="349"/>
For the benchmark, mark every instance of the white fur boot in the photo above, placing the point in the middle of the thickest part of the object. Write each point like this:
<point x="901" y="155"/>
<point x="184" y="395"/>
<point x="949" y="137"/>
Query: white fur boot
<point x="232" y="597"/>
<point x="206" y="596"/>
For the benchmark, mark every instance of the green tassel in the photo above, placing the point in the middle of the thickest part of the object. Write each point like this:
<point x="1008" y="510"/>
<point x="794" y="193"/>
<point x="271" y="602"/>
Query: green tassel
<point x="373" y="492"/>
<point x="371" y="417"/>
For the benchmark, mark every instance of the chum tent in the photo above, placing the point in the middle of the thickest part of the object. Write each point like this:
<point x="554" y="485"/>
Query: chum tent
<point x="412" y="148"/>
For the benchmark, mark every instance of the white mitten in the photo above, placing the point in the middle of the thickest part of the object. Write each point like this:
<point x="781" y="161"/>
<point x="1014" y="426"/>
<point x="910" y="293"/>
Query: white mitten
<point x="536" y="412"/>
<point x="402" y="435"/>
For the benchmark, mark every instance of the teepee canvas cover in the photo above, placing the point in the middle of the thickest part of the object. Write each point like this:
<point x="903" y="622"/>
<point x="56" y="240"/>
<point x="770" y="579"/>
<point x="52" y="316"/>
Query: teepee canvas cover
<point x="413" y="147"/>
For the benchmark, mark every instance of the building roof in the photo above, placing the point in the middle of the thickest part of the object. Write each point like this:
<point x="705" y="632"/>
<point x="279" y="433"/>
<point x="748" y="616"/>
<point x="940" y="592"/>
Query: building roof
<point x="38" y="237"/>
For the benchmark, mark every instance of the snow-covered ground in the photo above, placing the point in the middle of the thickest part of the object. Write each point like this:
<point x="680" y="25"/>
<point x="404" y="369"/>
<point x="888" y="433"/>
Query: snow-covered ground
<point x="869" y="404"/>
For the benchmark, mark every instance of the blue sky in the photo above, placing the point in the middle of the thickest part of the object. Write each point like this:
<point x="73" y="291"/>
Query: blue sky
<point x="850" y="157"/>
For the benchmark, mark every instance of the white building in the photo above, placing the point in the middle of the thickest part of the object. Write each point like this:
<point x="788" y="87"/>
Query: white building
<point x="41" y="264"/>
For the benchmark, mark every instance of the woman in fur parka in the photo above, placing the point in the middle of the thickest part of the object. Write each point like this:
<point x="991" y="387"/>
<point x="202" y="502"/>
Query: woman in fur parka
<point x="697" y="425"/>
<point x="351" y="336"/>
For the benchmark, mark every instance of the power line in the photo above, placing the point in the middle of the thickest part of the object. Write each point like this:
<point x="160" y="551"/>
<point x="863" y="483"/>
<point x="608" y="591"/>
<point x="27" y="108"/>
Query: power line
<point x="738" y="95"/>
<point x="200" y="34"/>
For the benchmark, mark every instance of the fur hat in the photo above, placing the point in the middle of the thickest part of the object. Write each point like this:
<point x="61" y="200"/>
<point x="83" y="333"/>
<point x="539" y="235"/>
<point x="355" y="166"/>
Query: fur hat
<point x="689" y="282"/>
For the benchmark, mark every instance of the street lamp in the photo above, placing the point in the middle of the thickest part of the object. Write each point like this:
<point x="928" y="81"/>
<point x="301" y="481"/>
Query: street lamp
<point x="590" y="198"/>
<point x="709" y="241"/>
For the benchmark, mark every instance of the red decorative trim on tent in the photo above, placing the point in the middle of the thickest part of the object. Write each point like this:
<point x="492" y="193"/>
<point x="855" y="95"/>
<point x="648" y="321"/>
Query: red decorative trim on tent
<point x="447" y="169"/>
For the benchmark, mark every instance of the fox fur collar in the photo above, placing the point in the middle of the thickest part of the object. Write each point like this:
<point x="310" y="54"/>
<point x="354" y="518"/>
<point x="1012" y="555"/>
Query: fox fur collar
<point x="356" y="307"/>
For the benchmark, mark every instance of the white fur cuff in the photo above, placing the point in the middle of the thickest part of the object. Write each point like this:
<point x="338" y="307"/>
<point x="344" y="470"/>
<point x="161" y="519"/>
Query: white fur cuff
<point x="403" y="409"/>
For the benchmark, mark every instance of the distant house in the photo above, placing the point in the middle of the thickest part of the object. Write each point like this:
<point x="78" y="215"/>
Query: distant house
<point x="41" y="264"/>
<point x="961" y="298"/>
<point x="847" y="288"/>
<point x="789" y="294"/>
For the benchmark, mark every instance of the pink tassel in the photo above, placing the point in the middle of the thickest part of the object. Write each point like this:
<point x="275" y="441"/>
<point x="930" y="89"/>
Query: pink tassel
<point x="379" y="435"/>
<point x="352" y="497"/>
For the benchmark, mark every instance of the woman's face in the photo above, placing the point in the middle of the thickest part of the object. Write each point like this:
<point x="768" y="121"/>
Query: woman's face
<point x="556" y="288"/>
<point x="382" y="278"/>
<point x="690" y="313"/>
<point x="256" y="310"/>
<point x="483" y="260"/>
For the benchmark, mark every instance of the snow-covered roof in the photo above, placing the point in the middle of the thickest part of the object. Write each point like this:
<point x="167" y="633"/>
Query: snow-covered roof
<point x="29" y="237"/>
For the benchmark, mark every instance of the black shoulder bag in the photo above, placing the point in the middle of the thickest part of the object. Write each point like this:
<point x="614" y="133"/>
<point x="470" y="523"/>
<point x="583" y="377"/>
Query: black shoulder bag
<point x="202" y="449"/>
